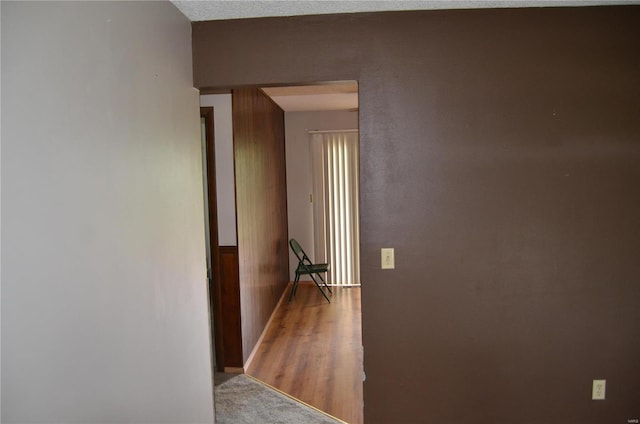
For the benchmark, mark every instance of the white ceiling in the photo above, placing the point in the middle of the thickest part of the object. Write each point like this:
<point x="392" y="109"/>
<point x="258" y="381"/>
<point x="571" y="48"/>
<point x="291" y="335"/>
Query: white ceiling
<point x="210" y="10"/>
<point x="337" y="96"/>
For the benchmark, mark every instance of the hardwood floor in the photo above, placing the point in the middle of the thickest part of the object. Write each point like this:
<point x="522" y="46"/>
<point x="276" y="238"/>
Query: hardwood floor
<point x="313" y="351"/>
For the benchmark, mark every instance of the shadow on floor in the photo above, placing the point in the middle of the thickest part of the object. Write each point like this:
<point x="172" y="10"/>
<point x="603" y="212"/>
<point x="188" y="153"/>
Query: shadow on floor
<point x="221" y="377"/>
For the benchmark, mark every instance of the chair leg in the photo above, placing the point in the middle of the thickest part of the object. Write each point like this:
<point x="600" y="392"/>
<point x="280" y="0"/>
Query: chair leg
<point x="294" y="287"/>
<point x="325" y="283"/>
<point x="320" y="288"/>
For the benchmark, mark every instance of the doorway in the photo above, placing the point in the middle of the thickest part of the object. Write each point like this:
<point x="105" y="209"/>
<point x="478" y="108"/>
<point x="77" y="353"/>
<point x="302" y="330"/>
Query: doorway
<point x="299" y="203"/>
<point x="323" y="366"/>
<point x="207" y="133"/>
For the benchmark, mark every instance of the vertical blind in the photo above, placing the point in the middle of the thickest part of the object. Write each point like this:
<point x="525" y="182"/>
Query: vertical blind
<point x="336" y="215"/>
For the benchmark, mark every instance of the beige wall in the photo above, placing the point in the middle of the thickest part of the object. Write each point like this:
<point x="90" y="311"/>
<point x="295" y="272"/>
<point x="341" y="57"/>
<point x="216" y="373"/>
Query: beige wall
<point x="104" y="298"/>
<point x="225" y="180"/>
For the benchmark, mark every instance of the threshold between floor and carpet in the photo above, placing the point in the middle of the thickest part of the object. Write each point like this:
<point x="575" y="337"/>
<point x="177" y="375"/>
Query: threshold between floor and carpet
<point x="245" y="400"/>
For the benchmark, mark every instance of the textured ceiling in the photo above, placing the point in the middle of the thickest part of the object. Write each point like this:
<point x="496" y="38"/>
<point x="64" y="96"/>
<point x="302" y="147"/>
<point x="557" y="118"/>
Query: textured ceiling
<point x="210" y="10"/>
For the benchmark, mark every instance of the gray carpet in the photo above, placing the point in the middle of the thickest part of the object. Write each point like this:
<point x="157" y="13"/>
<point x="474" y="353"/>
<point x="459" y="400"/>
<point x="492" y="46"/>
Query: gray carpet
<point x="243" y="400"/>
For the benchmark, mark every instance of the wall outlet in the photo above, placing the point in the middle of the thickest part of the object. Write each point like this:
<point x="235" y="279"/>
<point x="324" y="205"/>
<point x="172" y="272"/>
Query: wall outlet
<point x="598" y="390"/>
<point x="388" y="260"/>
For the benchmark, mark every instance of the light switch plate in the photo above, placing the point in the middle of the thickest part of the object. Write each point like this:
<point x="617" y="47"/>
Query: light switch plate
<point x="598" y="390"/>
<point x="388" y="260"/>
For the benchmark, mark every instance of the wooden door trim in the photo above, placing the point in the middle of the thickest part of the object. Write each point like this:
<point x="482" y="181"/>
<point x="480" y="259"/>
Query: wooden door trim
<point x="215" y="296"/>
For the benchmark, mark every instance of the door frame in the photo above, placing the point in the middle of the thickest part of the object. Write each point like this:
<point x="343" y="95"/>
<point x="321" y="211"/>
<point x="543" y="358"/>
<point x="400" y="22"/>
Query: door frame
<point x="213" y="271"/>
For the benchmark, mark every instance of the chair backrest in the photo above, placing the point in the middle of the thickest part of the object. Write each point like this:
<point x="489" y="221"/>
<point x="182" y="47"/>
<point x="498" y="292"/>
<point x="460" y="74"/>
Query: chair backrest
<point x="297" y="250"/>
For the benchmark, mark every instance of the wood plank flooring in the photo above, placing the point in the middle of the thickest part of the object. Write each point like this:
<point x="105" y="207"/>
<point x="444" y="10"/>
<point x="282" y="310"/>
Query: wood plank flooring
<point x="313" y="351"/>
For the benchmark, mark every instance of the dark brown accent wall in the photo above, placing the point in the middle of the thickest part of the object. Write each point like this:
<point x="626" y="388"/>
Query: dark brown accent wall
<point x="500" y="157"/>
<point x="261" y="205"/>
<point x="230" y="307"/>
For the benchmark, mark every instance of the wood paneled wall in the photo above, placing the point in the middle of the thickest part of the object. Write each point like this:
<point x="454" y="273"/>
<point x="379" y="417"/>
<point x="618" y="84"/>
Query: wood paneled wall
<point x="230" y="305"/>
<point x="261" y="204"/>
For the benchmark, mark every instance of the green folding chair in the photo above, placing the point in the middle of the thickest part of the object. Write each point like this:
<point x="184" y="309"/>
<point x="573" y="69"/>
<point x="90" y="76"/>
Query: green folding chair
<point x="306" y="267"/>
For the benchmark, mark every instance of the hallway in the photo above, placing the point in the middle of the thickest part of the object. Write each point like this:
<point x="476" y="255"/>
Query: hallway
<point x="312" y="350"/>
